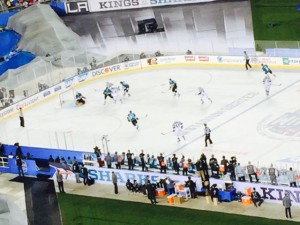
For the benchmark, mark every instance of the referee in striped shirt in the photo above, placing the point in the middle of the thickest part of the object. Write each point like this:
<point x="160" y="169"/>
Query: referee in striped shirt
<point x="207" y="135"/>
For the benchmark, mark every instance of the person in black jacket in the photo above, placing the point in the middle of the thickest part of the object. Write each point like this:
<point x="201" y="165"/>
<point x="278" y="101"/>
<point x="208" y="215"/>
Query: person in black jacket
<point x="214" y="192"/>
<point x="151" y="192"/>
<point x="2" y="149"/>
<point x="129" y="160"/>
<point x="19" y="165"/>
<point x="76" y="171"/>
<point x="85" y="174"/>
<point x="18" y="150"/>
<point x="192" y="186"/>
<point x="256" y="198"/>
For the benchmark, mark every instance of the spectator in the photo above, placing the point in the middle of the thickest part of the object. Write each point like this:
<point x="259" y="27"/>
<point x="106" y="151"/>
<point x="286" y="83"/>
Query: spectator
<point x="28" y="156"/>
<point x="2" y="153"/>
<point x="203" y="167"/>
<point x="224" y="163"/>
<point x="136" y="186"/>
<point x="19" y="163"/>
<point x="19" y="152"/>
<point x="171" y="186"/>
<point x="51" y="159"/>
<point x="188" y="52"/>
<point x="231" y="170"/>
<point x="85" y="174"/>
<point x="142" y="55"/>
<point x="162" y="163"/>
<point x="214" y="166"/>
<point x="119" y="161"/>
<point x="272" y="174"/>
<point x="291" y="177"/>
<point x="115" y="182"/>
<point x="175" y="164"/>
<point x="185" y="166"/>
<point x="287" y="203"/>
<point x="57" y="159"/>
<point x="157" y="53"/>
<point x="129" y="160"/>
<point x="214" y="193"/>
<point x="192" y="186"/>
<point x="142" y="158"/>
<point x="151" y="192"/>
<point x="256" y="198"/>
<point x="76" y="171"/>
<point x="108" y="160"/>
<point x="60" y="182"/>
<point x="240" y="172"/>
<point x="251" y="172"/>
<point x="69" y="161"/>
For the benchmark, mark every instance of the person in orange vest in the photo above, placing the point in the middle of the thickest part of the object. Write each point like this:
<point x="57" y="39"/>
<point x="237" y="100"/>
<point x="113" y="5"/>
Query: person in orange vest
<point x="185" y="167"/>
<point x="162" y="163"/>
<point x="119" y="160"/>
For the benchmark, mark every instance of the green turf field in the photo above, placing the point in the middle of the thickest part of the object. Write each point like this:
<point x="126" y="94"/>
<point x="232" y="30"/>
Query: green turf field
<point x="276" y="20"/>
<point x="81" y="210"/>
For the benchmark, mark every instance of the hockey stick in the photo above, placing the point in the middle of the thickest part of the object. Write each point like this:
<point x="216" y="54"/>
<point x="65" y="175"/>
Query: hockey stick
<point x="143" y="117"/>
<point x="276" y="84"/>
<point x="167" y="132"/>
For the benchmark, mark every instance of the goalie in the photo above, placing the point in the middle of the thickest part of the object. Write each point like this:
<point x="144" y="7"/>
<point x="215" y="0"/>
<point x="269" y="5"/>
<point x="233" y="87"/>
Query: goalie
<point x="79" y="99"/>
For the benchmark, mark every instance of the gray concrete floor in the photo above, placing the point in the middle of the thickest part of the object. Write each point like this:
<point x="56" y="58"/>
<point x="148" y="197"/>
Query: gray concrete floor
<point x="15" y="192"/>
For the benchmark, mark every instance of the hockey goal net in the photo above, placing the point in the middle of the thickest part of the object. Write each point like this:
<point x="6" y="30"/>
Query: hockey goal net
<point x="67" y="98"/>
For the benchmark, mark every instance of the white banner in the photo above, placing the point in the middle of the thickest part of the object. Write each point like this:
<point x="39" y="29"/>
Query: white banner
<point x="103" y="175"/>
<point x="108" y="5"/>
<point x="270" y="193"/>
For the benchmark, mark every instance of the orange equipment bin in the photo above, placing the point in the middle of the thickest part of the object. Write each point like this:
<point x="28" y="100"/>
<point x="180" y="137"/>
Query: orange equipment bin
<point x="170" y="199"/>
<point x="160" y="192"/>
<point x="179" y="187"/>
<point x="222" y="168"/>
<point x="248" y="191"/>
<point x="246" y="200"/>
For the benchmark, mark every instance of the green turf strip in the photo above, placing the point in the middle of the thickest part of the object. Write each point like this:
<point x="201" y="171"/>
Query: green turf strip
<point x="282" y="14"/>
<point x="82" y="210"/>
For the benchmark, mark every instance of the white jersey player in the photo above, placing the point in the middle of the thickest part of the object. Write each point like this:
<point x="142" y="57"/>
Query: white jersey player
<point x="116" y="93"/>
<point x="267" y="83"/>
<point x="203" y="94"/>
<point x="178" y="130"/>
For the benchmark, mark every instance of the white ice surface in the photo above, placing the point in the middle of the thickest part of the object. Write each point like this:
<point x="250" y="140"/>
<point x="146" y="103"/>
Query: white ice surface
<point x="240" y="126"/>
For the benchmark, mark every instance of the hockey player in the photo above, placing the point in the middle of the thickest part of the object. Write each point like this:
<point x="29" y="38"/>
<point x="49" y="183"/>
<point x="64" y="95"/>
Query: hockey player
<point x="116" y="93"/>
<point x="203" y="94"/>
<point x="107" y="93"/>
<point x="133" y="119"/>
<point x="266" y="69"/>
<point x="173" y="87"/>
<point x="178" y="130"/>
<point x="267" y="83"/>
<point x="125" y="87"/>
<point x="79" y="99"/>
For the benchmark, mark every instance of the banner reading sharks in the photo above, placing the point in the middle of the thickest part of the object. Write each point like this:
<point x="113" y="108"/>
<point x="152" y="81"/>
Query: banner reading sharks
<point x="103" y="175"/>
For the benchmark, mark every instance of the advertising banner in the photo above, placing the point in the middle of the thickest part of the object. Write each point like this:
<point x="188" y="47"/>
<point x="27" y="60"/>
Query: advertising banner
<point x="269" y="193"/>
<point x="108" y="5"/>
<point x="103" y="175"/>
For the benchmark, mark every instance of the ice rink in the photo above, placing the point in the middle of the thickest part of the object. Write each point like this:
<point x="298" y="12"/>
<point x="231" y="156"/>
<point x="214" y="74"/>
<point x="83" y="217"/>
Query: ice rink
<point x="244" y="122"/>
